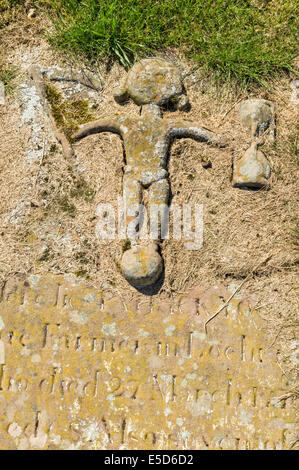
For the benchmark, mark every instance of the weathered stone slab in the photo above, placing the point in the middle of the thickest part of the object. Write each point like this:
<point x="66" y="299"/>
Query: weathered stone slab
<point x="82" y="370"/>
<point x="147" y="139"/>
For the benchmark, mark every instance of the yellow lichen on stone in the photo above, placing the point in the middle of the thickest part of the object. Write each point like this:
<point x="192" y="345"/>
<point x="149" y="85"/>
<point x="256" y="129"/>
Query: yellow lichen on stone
<point x="81" y="369"/>
<point x="153" y="81"/>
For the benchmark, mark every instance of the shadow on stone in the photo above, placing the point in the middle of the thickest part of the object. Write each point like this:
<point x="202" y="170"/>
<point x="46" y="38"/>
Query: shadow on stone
<point x="154" y="289"/>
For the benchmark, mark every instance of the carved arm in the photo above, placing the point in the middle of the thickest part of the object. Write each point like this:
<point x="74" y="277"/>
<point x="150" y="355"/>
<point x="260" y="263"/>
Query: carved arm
<point x="109" y="124"/>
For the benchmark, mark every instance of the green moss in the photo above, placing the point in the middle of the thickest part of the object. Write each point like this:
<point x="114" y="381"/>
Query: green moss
<point x="68" y="114"/>
<point x="55" y="100"/>
<point x="80" y="111"/>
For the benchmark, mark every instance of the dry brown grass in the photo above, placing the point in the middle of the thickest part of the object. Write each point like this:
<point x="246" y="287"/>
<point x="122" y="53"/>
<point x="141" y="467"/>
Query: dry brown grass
<point x="55" y="230"/>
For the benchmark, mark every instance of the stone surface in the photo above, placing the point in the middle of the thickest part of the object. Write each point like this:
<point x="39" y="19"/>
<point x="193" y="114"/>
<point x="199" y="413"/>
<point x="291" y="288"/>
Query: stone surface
<point x="2" y="93"/>
<point x="37" y="118"/>
<point x="81" y="369"/>
<point x="34" y="119"/>
<point x="142" y="265"/>
<point x="252" y="170"/>
<point x="257" y="116"/>
<point x="151" y="81"/>
<point x="72" y="82"/>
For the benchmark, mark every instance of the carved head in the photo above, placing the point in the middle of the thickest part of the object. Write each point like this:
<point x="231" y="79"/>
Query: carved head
<point x="153" y="81"/>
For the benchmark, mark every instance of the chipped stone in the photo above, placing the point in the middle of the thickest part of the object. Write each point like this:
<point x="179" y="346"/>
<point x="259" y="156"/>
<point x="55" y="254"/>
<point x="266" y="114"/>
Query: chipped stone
<point x="257" y="115"/>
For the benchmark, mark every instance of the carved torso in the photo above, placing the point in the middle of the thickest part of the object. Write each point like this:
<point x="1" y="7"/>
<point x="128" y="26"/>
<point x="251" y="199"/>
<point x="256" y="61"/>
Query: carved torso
<point x="145" y="144"/>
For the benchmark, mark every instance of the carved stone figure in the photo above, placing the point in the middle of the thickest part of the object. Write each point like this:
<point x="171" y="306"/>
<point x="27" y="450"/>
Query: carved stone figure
<point x="146" y="139"/>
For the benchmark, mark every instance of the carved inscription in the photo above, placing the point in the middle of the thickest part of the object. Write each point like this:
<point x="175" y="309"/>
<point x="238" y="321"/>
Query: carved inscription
<point x="84" y="370"/>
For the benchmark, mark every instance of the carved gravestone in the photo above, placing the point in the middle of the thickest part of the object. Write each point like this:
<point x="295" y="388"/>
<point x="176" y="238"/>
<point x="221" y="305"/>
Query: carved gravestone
<point x="81" y="369"/>
<point x="147" y="137"/>
<point x="2" y="93"/>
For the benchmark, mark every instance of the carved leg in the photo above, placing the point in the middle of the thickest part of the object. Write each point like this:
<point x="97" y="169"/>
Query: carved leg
<point x="158" y="209"/>
<point x="140" y="265"/>
<point x="132" y="199"/>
